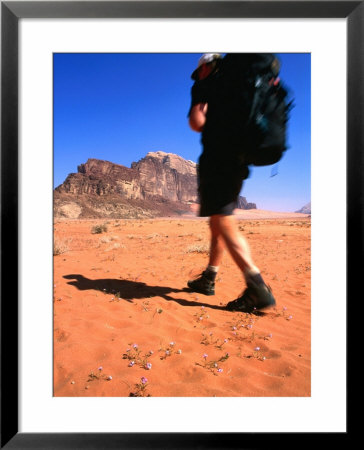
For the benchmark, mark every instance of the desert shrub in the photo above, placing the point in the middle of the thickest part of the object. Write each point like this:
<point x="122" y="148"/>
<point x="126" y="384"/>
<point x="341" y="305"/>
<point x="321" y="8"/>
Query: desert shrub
<point x="59" y="247"/>
<point x="195" y="248"/>
<point x="98" y="229"/>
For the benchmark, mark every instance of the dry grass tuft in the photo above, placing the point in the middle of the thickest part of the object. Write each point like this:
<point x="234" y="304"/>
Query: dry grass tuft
<point x="198" y="248"/>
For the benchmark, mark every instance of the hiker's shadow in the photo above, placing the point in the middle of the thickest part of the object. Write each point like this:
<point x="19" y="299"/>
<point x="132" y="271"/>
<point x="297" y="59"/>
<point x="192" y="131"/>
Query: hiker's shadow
<point x="130" y="290"/>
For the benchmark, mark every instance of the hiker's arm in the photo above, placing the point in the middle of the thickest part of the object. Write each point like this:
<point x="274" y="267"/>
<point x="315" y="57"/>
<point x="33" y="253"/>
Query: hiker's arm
<point x="197" y="117"/>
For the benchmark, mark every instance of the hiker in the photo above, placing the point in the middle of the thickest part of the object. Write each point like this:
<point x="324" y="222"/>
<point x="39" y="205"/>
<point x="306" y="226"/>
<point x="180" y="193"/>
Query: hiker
<point x="221" y="172"/>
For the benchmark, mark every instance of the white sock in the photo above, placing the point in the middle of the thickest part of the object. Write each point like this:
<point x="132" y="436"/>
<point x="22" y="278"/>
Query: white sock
<point x="212" y="268"/>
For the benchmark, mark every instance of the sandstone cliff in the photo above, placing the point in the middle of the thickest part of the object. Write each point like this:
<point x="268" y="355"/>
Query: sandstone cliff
<point x="97" y="177"/>
<point x="157" y="174"/>
<point x="160" y="184"/>
<point x="168" y="176"/>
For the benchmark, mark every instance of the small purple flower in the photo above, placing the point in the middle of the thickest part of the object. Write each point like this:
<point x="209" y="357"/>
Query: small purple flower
<point x="100" y="368"/>
<point x="167" y="352"/>
<point x="202" y="307"/>
<point x="135" y="346"/>
<point x="205" y="355"/>
<point x="234" y="333"/>
<point x="219" y="370"/>
<point x="226" y="340"/>
<point x="171" y="344"/>
<point x="284" y="308"/>
<point x="234" y="328"/>
<point x="249" y="326"/>
<point x="290" y="317"/>
<point x="131" y="364"/>
<point x="148" y="366"/>
<point x="200" y="318"/>
<point x="270" y="335"/>
<point x="144" y="380"/>
<point x="257" y="349"/>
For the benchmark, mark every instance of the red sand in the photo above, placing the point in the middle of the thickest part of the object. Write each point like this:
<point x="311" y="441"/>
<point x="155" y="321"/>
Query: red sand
<point x="126" y="286"/>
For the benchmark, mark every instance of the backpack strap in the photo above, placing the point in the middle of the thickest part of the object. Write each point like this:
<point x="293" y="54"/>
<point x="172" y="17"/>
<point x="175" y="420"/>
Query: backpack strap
<point x="261" y="87"/>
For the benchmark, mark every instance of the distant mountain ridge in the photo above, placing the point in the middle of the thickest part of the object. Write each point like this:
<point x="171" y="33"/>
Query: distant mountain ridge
<point x="160" y="184"/>
<point x="305" y="209"/>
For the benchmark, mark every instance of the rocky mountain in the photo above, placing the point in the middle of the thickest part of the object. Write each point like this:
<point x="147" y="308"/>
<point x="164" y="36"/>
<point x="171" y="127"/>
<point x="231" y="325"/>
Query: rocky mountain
<point x="305" y="209"/>
<point x="243" y="204"/>
<point x="160" y="184"/>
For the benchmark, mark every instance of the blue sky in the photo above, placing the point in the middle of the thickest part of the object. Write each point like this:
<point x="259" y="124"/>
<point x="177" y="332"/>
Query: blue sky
<point x="119" y="107"/>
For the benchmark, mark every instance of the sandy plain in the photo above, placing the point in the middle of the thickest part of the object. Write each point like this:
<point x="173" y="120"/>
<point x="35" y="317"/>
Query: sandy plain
<point x="123" y="313"/>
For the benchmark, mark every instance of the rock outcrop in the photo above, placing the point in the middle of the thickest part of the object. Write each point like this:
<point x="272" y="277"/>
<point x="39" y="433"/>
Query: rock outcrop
<point x="157" y="174"/>
<point x="160" y="184"/>
<point x="243" y="204"/>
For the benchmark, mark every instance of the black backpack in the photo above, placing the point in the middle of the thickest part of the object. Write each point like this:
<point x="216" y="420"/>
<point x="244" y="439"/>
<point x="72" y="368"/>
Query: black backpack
<point x="252" y="78"/>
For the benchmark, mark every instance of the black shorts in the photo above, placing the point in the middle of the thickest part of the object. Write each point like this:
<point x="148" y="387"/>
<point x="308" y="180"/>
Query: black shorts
<point x="219" y="185"/>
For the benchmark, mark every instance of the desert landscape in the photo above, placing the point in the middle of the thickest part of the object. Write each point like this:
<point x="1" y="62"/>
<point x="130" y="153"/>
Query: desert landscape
<point x="125" y="323"/>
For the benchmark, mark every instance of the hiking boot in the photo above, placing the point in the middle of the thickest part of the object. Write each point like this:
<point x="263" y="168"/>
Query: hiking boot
<point x="255" y="297"/>
<point x="202" y="285"/>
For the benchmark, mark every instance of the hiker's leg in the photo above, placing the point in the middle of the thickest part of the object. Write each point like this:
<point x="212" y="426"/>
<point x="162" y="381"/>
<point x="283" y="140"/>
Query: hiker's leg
<point x="217" y="246"/>
<point x="226" y="228"/>
<point x="257" y="295"/>
<point x="205" y="283"/>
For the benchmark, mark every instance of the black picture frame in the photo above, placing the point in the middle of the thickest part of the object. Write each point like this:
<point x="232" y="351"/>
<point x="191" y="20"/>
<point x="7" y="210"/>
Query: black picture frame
<point x="11" y="12"/>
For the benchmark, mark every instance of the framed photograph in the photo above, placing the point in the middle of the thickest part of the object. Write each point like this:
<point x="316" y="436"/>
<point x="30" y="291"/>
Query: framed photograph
<point x="71" y="333"/>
